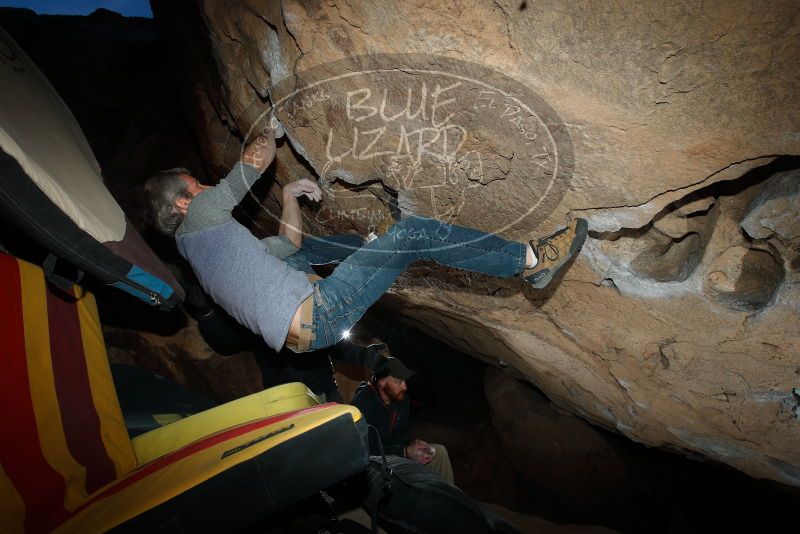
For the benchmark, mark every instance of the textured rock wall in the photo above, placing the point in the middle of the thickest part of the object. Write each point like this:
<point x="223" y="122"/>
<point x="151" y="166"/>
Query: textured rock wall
<point x="658" y="121"/>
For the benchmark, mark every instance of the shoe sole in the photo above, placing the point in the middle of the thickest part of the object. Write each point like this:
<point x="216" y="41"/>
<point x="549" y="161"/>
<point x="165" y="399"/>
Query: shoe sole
<point x="581" y="230"/>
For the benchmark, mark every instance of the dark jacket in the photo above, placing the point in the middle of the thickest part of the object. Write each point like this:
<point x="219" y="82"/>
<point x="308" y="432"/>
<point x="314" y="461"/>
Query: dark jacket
<point x="393" y="422"/>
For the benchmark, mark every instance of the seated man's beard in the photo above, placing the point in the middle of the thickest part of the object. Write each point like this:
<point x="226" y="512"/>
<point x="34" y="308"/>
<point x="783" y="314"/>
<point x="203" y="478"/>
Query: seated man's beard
<point x="396" y="396"/>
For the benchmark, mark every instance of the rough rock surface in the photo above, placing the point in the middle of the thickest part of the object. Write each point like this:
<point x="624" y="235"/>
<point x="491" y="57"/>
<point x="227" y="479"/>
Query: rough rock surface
<point x="771" y="213"/>
<point x="643" y="117"/>
<point x="773" y="216"/>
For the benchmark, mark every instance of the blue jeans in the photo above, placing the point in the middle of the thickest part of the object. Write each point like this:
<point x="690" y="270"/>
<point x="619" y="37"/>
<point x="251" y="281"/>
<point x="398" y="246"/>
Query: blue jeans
<point x="341" y="299"/>
<point x="323" y="251"/>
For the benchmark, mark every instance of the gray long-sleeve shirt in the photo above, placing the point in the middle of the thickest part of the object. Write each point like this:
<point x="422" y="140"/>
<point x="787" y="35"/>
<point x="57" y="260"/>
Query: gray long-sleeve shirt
<point x="234" y="267"/>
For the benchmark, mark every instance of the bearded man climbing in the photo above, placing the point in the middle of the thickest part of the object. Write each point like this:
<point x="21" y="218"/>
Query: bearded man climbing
<point x="281" y="303"/>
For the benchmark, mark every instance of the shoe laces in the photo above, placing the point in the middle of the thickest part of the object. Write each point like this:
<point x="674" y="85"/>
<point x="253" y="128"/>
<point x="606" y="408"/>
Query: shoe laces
<point x="545" y="250"/>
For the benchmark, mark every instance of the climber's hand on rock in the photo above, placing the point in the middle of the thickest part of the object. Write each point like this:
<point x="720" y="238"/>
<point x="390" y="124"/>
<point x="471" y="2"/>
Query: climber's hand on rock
<point x="302" y="187"/>
<point x="260" y="152"/>
<point x="419" y="451"/>
<point x="276" y="126"/>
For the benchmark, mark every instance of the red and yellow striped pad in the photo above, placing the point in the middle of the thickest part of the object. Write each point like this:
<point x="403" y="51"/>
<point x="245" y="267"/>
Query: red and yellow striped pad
<point x="64" y="437"/>
<point x="66" y="461"/>
<point x="170" y="475"/>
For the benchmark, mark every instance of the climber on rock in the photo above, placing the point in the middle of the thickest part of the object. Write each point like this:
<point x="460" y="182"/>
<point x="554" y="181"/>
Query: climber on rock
<point x="279" y="302"/>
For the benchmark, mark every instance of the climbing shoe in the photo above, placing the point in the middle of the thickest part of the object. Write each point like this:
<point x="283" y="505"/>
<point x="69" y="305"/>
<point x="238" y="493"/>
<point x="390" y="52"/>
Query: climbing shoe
<point x="554" y="251"/>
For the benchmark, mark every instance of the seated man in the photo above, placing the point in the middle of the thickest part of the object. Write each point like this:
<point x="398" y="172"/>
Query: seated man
<point x="385" y="406"/>
<point x="279" y="302"/>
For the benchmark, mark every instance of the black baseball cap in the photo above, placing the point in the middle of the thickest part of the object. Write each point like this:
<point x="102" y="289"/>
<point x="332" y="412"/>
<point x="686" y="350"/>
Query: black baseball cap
<point x="394" y="367"/>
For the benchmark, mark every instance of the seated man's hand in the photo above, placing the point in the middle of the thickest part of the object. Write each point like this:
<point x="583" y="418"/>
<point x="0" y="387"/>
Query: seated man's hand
<point x="260" y="152"/>
<point x="302" y="187"/>
<point x="420" y="451"/>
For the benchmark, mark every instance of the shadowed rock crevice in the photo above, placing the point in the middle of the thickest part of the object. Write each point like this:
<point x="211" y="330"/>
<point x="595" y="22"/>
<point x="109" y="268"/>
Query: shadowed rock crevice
<point x="744" y="278"/>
